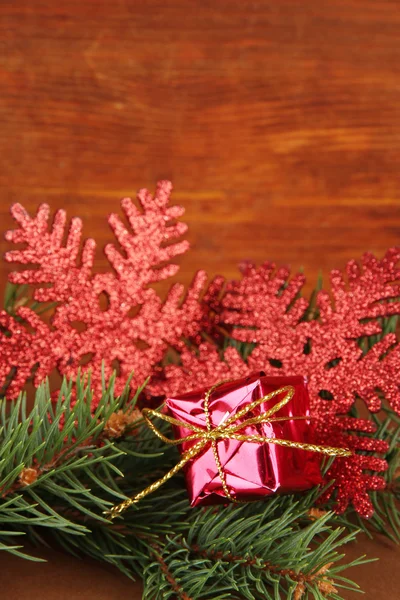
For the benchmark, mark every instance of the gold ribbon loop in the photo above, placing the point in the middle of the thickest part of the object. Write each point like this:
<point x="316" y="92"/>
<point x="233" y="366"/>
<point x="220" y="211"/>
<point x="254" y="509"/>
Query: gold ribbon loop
<point x="226" y="430"/>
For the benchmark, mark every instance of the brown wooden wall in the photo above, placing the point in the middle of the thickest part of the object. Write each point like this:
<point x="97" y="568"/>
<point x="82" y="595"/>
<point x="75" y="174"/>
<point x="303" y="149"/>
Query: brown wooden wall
<point x="278" y="122"/>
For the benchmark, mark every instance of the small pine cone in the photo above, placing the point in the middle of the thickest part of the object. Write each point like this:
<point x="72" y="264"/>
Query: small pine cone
<point x="115" y="425"/>
<point x="326" y="587"/>
<point x="28" y="476"/>
<point x="119" y="422"/>
<point x="323" y="569"/>
<point x="299" y="591"/>
<point x="316" y="513"/>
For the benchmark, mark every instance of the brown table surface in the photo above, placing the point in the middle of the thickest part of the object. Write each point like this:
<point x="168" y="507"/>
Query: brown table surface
<point x="278" y="122"/>
<point x="66" y="578"/>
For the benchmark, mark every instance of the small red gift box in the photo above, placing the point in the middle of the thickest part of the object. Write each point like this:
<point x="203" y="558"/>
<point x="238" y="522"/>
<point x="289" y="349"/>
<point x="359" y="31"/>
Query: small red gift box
<point x="250" y="470"/>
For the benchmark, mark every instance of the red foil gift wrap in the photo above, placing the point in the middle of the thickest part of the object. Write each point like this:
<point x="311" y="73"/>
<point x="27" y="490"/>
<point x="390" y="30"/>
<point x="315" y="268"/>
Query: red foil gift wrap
<point x="251" y="470"/>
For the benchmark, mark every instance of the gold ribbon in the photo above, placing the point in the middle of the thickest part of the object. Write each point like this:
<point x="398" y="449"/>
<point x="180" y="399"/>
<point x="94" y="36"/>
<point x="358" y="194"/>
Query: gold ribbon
<point x="228" y="430"/>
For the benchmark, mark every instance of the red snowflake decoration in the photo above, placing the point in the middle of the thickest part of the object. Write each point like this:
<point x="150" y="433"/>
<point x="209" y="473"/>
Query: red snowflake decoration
<point x="81" y="335"/>
<point x="265" y="308"/>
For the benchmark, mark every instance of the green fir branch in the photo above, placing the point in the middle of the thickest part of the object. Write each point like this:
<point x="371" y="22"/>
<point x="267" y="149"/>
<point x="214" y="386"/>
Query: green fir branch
<point x="271" y="549"/>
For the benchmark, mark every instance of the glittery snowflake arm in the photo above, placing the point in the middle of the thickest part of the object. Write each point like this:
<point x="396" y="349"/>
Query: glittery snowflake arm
<point x="369" y="293"/>
<point x="44" y="248"/>
<point x="22" y="351"/>
<point x="262" y="299"/>
<point x="152" y="228"/>
<point x="353" y="477"/>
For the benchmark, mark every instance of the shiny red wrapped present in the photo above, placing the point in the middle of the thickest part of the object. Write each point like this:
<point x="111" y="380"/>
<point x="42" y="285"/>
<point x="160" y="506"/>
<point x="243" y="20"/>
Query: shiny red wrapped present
<point x="238" y="467"/>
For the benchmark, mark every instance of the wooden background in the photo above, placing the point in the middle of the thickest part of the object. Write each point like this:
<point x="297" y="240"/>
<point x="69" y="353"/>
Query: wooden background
<point x="277" y="121"/>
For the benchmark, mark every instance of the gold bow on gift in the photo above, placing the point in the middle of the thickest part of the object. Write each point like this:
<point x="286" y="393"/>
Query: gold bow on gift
<point x="227" y="430"/>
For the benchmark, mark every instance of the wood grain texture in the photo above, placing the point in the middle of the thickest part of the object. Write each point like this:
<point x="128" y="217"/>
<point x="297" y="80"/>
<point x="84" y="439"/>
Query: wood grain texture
<point x="277" y="121"/>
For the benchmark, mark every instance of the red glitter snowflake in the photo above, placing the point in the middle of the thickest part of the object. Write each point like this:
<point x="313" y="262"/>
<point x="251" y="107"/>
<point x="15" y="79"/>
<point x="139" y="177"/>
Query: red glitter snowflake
<point x="134" y="331"/>
<point x="265" y="308"/>
<point x="326" y="349"/>
<point x="326" y="340"/>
